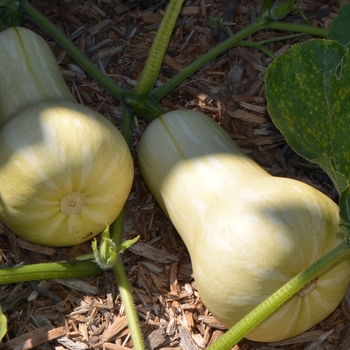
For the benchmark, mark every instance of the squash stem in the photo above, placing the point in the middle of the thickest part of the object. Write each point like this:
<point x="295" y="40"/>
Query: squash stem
<point x="126" y="129"/>
<point x="260" y="44"/>
<point x="155" y="58"/>
<point x="118" y="269"/>
<point x="47" y="271"/>
<point x="160" y="92"/>
<point x="129" y="306"/>
<point x="118" y="226"/>
<point x="80" y="58"/>
<point x="261" y="23"/>
<point x="266" y="308"/>
<point x="299" y="28"/>
<point x="265" y="7"/>
<point x="117" y="235"/>
<point x="124" y="288"/>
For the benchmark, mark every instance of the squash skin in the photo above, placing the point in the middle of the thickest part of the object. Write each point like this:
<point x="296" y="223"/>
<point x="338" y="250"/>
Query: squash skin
<point x="54" y="148"/>
<point x="247" y="233"/>
<point x="35" y="76"/>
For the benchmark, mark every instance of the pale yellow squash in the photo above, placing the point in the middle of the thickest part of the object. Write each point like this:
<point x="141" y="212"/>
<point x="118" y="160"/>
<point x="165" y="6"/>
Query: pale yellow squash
<point x="65" y="172"/>
<point x="247" y="233"/>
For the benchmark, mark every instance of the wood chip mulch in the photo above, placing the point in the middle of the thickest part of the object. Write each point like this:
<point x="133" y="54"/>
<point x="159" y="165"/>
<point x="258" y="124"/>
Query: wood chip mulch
<point x="116" y="35"/>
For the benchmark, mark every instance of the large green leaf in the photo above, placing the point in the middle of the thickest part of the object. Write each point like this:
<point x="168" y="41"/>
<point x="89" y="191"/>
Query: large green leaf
<point x="308" y="95"/>
<point x="3" y="325"/>
<point x="339" y="29"/>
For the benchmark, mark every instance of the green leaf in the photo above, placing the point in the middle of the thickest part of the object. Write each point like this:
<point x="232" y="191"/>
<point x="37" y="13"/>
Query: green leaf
<point x="339" y="29"/>
<point x="127" y="244"/>
<point x="308" y="96"/>
<point x="3" y="325"/>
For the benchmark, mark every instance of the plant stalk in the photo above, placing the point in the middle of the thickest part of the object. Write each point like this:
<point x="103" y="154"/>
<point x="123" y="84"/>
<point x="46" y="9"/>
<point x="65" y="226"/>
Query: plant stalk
<point x="47" y="271"/>
<point x="160" y="92"/>
<point x="126" y="132"/>
<point x="129" y="306"/>
<point x="271" y="304"/>
<point x="265" y="8"/>
<point x="259" y="24"/>
<point x="155" y="58"/>
<point x="299" y="28"/>
<point x="124" y="288"/>
<point x="260" y="45"/>
<point x="117" y="236"/>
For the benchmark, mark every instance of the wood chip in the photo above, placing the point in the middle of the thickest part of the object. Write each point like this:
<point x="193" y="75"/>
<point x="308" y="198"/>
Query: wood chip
<point x="116" y="327"/>
<point x="72" y="344"/>
<point x="111" y="346"/>
<point x="190" y="10"/>
<point x="152" y="253"/>
<point x="186" y="341"/>
<point x="173" y="63"/>
<point x="156" y="339"/>
<point x="78" y="284"/>
<point x="34" y="338"/>
<point x="247" y="116"/>
<point x="35" y="248"/>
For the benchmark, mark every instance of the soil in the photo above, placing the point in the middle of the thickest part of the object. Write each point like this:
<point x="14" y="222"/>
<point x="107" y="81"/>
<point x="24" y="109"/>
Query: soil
<point x="117" y="35"/>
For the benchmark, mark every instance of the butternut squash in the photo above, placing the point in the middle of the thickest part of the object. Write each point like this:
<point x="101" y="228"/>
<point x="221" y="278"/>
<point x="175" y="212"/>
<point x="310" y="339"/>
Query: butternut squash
<point x="247" y="232"/>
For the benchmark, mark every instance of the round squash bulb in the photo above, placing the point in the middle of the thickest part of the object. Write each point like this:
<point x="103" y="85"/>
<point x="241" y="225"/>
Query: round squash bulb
<point x="66" y="172"/>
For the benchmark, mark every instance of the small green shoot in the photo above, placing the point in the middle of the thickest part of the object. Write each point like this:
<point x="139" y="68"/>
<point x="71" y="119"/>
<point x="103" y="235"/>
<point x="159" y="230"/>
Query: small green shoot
<point x="107" y="254"/>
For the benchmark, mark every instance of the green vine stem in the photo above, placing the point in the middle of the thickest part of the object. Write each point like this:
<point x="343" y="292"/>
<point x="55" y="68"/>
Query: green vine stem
<point x="160" y="92"/>
<point x="147" y="108"/>
<point x="265" y="8"/>
<point x="248" y="323"/>
<point x="118" y="226"/>
<point x="259" y="24"/>
<point x="73" y="51"/>
<point x="299" y="28"/>
<point x="47" y="271"/>
<point x="124" y="289"/>
<point x="126" y="130"/>
<point x="155" y="58"/>
<point x="260" y="44"/>
<point x="118" y="269"/>
<point x="301" y="13"/>
<point x="129" y="306"/>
